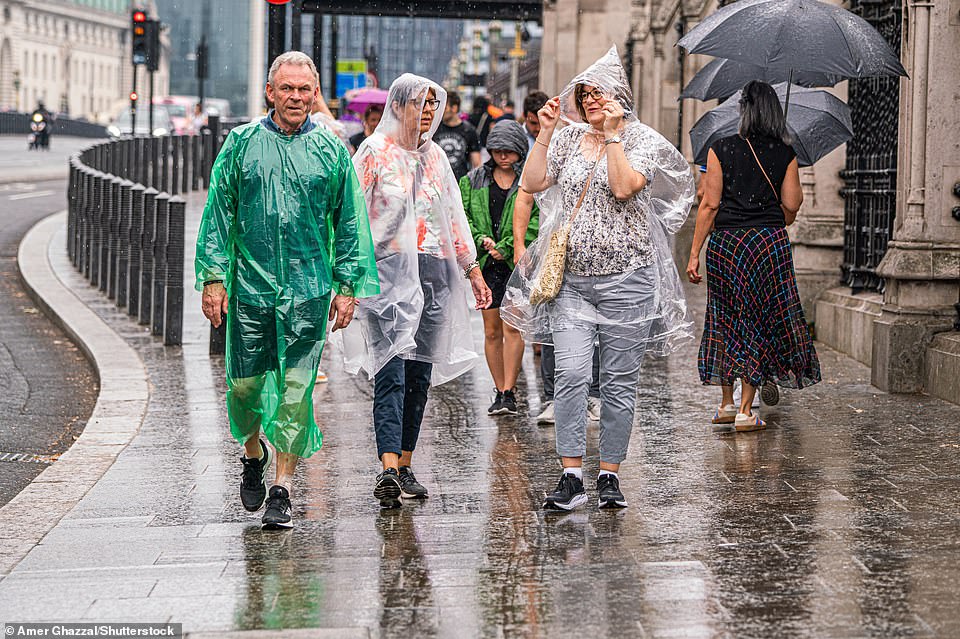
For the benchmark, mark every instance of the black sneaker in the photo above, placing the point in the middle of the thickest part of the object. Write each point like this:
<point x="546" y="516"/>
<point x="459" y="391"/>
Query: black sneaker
<point x="253" y="482"/>
<point x="388" y="489"/>
<point x="509" y="403"/>
<point x="497" y="406"/>
<point x="568" y="495"/>
<point x="277" y="515"/>
<point x="410" y="488"/>
<point x="608" y="492"/>
<point x="770" y="394"/>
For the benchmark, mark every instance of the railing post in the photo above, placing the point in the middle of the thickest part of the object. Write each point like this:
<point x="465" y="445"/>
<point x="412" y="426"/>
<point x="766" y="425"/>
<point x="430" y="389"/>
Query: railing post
<point x="153" y="144"/>
<point x="72" y="210"/>
<point x="173" y="296"/>
<point x="133" y="241"/>
<point x="98" y="235"/>
<point x="175" y="164"/>
<point x="196" y="162"/>
<point x="123" y="243"/>
<point x="86" y="221"/>
<point x="146" y="255"/>
<point x="113" y="236"/>
<point x="165" y="163"/>
<point x="159" y="263"/>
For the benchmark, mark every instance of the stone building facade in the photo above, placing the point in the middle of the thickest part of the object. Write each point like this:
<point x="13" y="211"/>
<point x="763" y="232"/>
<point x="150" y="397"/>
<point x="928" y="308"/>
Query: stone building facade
<point x="901" y="320"/>
<point x="73" y="55"/>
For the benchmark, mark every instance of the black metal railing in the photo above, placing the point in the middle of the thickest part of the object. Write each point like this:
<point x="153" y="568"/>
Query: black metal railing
<point x="126" y="217"/>
<point x="13" y="123"/>
<point x="870" y="175"/>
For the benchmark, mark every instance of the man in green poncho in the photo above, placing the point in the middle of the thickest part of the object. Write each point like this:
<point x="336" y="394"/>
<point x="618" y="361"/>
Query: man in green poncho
<point x="284" y="229"/>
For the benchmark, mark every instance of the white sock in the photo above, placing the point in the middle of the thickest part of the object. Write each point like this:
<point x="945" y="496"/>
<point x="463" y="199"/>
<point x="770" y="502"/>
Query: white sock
<point x="577" y="471"/>
<point x="607" y="472"/>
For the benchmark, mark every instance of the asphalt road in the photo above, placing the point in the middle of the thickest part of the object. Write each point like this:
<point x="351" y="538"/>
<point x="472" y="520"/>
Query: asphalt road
<point x="47" y="387"/>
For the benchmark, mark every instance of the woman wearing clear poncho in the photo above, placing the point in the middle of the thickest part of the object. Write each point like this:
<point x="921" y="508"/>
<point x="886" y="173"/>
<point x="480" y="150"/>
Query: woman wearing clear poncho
<point x="619" y="189"/>
<point x="417" y="331"/>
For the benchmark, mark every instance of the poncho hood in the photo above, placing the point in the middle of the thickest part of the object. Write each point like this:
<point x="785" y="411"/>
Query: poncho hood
<point x="606" y="74"/>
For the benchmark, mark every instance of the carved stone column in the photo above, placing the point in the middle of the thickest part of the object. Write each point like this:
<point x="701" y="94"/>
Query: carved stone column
<point x="921" y="267"/>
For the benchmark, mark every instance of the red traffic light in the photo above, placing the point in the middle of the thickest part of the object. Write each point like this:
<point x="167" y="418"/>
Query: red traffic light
<point x="278" y="1"/>
<point x="133" y="96"/>
<point x="139" y="16"/>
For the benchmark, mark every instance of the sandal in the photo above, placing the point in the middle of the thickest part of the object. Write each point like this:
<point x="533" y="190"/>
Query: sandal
<point x="725" y="415"/>
<point x="746" y="423"/>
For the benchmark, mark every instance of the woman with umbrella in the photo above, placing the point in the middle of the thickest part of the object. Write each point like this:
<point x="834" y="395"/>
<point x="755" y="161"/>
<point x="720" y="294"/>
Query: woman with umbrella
<point x="617" y="189"/>
<point x="417" y="331"/>
<point x="754" y="328"/>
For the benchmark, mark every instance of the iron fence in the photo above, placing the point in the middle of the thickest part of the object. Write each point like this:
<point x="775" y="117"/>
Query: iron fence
<point x="870" y="174"/>
<point x="126" y="217"/>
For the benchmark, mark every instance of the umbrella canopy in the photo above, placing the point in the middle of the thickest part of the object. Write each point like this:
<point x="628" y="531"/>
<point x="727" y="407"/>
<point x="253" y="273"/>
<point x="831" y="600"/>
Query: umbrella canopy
<point x="818" y="121"/>
<point x="721" y="78"/>
<point x="359" y="99"/>
<point x="795" y="34"/>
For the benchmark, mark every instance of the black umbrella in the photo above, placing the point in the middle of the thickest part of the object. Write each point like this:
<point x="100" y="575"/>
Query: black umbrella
<point x="818" y="121"/>
<point x="722" y="77"/>
<point x="795" y="34"/>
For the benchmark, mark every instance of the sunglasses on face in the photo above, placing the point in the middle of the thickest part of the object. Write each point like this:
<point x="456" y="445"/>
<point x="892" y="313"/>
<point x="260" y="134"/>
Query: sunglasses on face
<point x="596" y="94"/>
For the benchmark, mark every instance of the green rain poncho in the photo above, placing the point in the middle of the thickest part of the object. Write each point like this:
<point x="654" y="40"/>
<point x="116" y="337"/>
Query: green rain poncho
<point x="285" y="227"/>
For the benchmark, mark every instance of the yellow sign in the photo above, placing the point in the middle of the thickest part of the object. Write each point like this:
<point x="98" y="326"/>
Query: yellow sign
<point x="351" y="66"/>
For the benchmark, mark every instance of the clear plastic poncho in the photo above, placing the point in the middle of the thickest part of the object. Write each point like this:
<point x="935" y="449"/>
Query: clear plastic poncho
<point x="284" y="228"/>
<point x="664" y="205"/>
<point x="421" y="240"/>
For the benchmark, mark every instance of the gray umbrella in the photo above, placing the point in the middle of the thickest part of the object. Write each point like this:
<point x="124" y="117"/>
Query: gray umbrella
<point x="722" y="77"/>
<point x="795" y="34"/>
<point x="818" y="121"/>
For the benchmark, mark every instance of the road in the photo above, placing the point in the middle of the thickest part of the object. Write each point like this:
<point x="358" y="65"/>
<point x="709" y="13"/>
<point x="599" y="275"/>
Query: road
<point x="49" y="388"/>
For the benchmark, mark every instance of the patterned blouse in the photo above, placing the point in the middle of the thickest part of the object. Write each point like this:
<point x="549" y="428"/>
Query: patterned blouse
<point x="609" y="236"/>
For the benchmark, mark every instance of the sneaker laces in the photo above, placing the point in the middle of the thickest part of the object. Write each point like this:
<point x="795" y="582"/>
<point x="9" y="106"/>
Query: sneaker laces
<point x="407" y="477"/>
<point x="606" y="481"/>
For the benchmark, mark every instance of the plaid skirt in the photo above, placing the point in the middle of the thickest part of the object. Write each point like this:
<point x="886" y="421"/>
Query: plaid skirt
<point x="754" y="327"/>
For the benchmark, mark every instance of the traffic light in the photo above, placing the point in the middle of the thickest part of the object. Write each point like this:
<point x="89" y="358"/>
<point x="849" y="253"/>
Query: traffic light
<point x="139" y="36"/>
<point x="153" y="45"/>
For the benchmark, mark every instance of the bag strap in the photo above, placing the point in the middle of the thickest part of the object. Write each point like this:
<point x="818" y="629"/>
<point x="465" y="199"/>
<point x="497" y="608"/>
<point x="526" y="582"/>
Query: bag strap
<point x="583" y="194"/>
<point x="775" y="194"/>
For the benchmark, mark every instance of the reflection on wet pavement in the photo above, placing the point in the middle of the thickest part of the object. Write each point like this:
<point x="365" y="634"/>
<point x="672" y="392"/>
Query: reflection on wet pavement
<point x="840" y="520"/>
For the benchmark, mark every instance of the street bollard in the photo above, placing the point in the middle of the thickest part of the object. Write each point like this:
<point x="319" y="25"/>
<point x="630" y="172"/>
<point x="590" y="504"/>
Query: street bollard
<point x="123" y="243"/>
<point x="176" y="146"/>
<point x="165" y="163"/>
<point x="133" y="241"/>
<point x="146" y="255"/>
<point x="113" y="235"/>
<point x="173" y="295"/>
<point x="159" y="263"/>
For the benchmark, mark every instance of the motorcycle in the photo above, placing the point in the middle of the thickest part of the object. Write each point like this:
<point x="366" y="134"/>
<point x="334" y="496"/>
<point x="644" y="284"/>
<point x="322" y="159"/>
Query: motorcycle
<point x="39" y="137"/>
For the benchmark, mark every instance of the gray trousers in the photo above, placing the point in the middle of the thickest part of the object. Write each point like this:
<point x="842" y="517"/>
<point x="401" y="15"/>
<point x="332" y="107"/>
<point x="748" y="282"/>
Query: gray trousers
<point x="615" y="299"/>
<point x="548" y="371"/>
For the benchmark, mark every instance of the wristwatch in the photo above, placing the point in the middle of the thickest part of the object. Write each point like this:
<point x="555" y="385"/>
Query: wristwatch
<point x="613" y="140"/>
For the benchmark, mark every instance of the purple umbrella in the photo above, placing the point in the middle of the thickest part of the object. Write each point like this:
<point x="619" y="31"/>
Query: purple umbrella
<point x="359" y="99"/>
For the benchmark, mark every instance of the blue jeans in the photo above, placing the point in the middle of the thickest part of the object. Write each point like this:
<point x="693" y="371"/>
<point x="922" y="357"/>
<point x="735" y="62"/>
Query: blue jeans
<point x="399" y="397"/>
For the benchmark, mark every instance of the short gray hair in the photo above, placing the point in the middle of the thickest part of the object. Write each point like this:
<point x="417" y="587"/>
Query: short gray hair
<point x="298" y="58"/>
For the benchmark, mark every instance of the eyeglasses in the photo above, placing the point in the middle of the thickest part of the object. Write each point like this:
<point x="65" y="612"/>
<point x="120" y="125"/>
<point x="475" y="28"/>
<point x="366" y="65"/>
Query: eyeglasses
<point x="431" y="105"/>
<point x="596" y="94"/>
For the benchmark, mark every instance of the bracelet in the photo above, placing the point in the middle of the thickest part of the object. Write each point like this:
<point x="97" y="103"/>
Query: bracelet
<point x="213" y="282"/>
<point x="537" y="140"/>
<point x="469" y="267"/>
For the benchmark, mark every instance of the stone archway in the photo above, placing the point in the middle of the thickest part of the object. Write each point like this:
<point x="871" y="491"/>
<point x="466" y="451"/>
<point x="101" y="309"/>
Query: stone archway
<point x="7" y="93"/>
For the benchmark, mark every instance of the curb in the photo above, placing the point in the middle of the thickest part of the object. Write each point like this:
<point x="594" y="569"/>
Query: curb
<point x="50" y="280"/>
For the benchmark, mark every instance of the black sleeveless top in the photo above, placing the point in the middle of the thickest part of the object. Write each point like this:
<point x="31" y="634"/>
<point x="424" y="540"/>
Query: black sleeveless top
<point x="747" y="200"/>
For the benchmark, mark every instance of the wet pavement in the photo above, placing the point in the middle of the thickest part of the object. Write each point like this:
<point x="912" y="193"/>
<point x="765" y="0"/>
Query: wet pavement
<point x="840" y="520"/>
